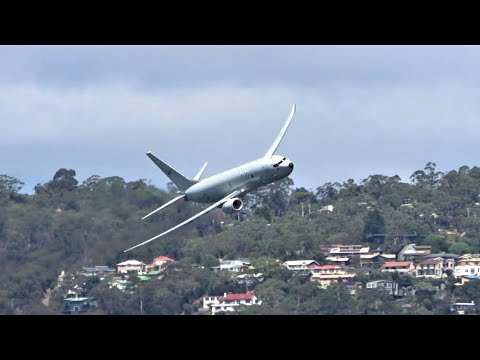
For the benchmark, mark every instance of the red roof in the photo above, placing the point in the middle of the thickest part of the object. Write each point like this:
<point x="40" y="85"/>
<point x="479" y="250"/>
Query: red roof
<point x="162" y="258"/>
<point x="232" y="297"/>
<point x="324" y="267"/>
<point x="396" y="264"/>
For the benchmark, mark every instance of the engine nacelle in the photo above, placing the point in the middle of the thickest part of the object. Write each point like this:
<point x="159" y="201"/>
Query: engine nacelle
<point x="231" y="206"/>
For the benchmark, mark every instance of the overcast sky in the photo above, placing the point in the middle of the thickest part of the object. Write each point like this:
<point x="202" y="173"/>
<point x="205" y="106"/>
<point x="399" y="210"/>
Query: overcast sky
<point x="361" y="110"/>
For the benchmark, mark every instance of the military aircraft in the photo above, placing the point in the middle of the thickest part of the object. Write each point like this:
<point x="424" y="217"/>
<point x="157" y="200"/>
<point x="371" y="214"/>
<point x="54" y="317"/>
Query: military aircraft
<point x="226" y="188"/>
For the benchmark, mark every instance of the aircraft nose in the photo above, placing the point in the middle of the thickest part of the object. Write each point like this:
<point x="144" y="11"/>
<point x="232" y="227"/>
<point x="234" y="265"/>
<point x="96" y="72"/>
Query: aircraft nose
<point x="290" y="165"/>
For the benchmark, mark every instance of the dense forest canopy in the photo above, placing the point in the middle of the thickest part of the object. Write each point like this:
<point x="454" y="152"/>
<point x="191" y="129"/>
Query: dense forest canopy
<point x="66" y="225"/>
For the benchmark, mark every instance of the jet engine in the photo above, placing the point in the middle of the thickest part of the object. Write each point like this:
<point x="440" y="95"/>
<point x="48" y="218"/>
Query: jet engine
<point x="231" y="206"/>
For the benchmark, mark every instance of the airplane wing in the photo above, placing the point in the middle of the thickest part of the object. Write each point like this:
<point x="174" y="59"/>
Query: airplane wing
<point x="203" y="212"/>
<point x="164" y="206"/>
<point x="281" y="134"/>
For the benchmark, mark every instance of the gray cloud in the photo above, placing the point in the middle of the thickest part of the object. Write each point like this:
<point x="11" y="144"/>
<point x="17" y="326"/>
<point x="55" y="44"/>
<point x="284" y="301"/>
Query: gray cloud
<point x="360" y="110"/>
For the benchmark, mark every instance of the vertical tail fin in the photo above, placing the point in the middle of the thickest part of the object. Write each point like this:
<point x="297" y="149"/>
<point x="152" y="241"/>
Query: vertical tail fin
<point x="182" y="182"/>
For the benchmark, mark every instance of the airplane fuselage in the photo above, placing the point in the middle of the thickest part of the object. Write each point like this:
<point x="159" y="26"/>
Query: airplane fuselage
<point x="246" y="177"/>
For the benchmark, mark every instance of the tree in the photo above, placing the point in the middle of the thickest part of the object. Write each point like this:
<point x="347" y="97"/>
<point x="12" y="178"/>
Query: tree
<point x="9" y="183"/>
<point x="374" y="223"/>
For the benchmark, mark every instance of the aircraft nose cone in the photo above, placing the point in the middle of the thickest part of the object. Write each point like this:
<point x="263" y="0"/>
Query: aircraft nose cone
<point x="290" y="165"/>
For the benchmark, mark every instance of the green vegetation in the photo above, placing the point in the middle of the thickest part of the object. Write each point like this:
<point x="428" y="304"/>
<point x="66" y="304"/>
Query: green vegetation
<point x="66" y="225"/>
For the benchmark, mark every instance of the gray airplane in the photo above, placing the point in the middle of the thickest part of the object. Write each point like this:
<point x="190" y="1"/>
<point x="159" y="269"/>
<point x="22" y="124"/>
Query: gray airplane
<point x="226" y="188"/>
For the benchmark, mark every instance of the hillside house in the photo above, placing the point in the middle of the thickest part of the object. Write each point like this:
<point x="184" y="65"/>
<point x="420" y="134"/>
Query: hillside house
<point x="402" y="267"/>
<point x="392" y="287"/>
<point x="327" y="274"/>
<point x="412" y="251"/>
<point x="99" y="270"/>
<point x="232" y="265"/>
<point x="79" y="304"/>
<point x="230" y="302"/>
<point x="377" y="258"/>
<point x="297" y="265"/>
<point x="348" y="250"/>
<point x="467" y="267"/>
<point x="431" y="268"/>
<point x="131" y="266"/>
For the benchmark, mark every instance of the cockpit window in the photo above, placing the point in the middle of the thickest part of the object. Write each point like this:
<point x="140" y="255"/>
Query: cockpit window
<point x="276" y="165"/>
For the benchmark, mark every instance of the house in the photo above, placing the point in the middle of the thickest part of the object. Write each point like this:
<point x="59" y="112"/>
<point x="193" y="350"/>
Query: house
<point x="348" y="250"/>
<point x="232" y="265"/>
<point x="327" y="274"/>
<point x="230" y="302"/>
<point x="431" y="268"/>
<point x="120" y="284"/>
<point x="340" y="260"/>
<point x="249" y="279"/>
<point x="460" y="308"/>
<point x="375" y="258"/>
<point x="325" y="269"/>
<point x="99" y="270"/>
<point x="413" y="251"/>
<point x="443" y="255"/>
<point x="469" y="261"/>
<point x="352" y="286"/>
<point x="468" y="256"/>
<point x="131" y="266"/>
<point x="392" y="287"/>
<point x="60" y="278"/>
<point x="296" y="265"/>
<point x="403" y="267"/>
<point x="79" y="304"/>
<point x="327" y="208"/>
<point x="162" y="261"/>
<point x="467" y="267"/>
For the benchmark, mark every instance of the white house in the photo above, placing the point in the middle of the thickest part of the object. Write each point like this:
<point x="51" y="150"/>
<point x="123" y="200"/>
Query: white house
<point x="328" y="208"/>
<point x="299" y="264"/>
<point x="130" y="265"/>
<point x="460" y="308"/>
<point x="467" y="267"/>
<point x="230" y="302"/>
<point x="348" y="250"/>
<point x="392" y="287"/>
<point x="232" y="265"/>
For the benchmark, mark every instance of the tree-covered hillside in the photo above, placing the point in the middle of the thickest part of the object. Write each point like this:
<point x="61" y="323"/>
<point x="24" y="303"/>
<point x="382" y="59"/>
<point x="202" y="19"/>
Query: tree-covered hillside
<point x="66" y="225"/>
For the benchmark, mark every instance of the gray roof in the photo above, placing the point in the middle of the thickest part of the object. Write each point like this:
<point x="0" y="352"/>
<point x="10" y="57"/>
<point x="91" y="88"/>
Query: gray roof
<point x="443" y="255"/>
